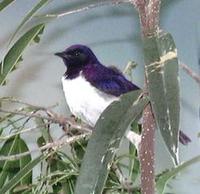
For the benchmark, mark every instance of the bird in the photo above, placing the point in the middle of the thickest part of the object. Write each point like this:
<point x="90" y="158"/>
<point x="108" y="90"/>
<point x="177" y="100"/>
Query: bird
<point x="89" y="86"/>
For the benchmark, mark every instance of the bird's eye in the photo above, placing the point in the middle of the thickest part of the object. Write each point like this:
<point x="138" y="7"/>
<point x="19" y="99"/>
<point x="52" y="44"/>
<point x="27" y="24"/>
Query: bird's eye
<point x="77" y="53"/>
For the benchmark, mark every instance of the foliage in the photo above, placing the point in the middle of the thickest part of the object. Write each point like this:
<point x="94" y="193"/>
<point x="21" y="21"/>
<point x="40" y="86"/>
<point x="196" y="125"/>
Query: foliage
<point x="163" y="178"/>
<point x="14" y="55"/>
<point x="59" y="171"/>
<point x="29" y="15"/>
<point x="105" y="140"/>
<point x="8" y="169"/>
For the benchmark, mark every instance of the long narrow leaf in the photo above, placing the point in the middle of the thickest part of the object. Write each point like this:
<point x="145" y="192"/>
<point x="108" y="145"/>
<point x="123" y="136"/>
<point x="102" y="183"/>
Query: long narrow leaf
<point x="166" y="176"/>
<point x="30" y="14"/>
<point x="22" y="147"/>
<point x="21" y="174"/>
<point x="105" y="141"/>
<point x="5" y="3"/>
<point x="8" y="148"/>
<point x="14" y="54"/>
<point x="162" y="77"/>
<point x="8" y="169"/>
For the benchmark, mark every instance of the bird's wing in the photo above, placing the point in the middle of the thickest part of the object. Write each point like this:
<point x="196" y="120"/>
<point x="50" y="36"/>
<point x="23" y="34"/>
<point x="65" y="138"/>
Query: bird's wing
<point x="114" y="83"/>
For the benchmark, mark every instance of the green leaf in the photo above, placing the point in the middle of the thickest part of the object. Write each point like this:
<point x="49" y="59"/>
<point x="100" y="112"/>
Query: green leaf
<point x="30" y="14"/>
<point x="5" y="3"/>
<point x="23" y="161"/>
<point x="22" y="173"/>
<point x="55" y="163"/>
<point x="78" y="149"/>
<point x="14" y="54"/>
<point x="162" y="78"/>
<point x="65" y="183"/>
<point x="8" y="148"/>
<point x="1" y="130"/>
<point x="69" y="187"/>
<point x="163" y="178"/>
<point x="105" y="141"/>
<point x="8" y="169"/>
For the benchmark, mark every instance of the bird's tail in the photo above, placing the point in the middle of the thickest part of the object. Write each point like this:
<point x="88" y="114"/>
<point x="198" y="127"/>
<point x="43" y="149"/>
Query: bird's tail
<point x="183" y="138"/>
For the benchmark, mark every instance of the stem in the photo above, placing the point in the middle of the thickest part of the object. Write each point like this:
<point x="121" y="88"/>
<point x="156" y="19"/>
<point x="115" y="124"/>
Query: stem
<point x="141" y="7"/>
<point x="147" y="152"/>
<point x="153" y="11"/>
<point x="149" y="15"/>
<point x="149" y="22"/>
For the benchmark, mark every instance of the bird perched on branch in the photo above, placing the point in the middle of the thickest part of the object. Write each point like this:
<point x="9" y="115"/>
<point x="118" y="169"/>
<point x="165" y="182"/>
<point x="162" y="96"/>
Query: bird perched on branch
<point x="89" y="86"/>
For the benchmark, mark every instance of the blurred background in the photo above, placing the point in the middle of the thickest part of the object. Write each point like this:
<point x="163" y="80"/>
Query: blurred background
<point x="113" y="33"/>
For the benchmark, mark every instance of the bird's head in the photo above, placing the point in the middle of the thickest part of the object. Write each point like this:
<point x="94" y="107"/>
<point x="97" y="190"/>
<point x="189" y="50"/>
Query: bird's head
<point x="77" y="56"/>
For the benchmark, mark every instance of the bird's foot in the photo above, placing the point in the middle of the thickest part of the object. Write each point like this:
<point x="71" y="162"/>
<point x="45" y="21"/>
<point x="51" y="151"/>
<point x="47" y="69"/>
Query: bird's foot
<point x="75" y="119"/>
<point x="63" y="123"/>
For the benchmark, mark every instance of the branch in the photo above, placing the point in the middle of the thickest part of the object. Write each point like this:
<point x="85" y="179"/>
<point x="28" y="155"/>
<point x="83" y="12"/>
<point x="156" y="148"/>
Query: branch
<point x="35" y="107"/>
<point x="147" y="152"/>
<point x="54" y="118"/>
<point x="190" y="72"/>
<point x="53" y="145"/>
<point x="149" y="21"/>
<point x="149" y="15"/>
<point x="153" y="16"/>
<point x="20" y="132"/>
<point x="51" y="118"/>
<point x="141" y="8"/>
<point x="88" y="7"/>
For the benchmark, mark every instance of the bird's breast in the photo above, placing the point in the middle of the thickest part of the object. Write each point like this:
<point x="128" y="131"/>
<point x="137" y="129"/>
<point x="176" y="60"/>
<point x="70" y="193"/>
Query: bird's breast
<point x="84" y="100"/>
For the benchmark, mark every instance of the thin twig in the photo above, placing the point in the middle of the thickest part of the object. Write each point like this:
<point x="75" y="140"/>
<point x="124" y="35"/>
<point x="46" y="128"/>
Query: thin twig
<point x="127" y="185"/>
<point x="20" y="132"/>
<point x="53" y="145"/>
<point x="36" y="107"/>
<point x="56" y="119"/>
<point x="12" y="122"/>
<point x="190" y="72"/>
<point x="88" y="7"/>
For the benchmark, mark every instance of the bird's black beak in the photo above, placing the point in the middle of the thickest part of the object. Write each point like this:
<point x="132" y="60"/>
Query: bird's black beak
<point x="60" y="54"/>
<point x="63" y="55"/>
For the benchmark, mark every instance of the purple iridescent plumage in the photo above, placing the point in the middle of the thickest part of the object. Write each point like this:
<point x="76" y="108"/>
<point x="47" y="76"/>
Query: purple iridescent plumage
<point x="107" y="79"/>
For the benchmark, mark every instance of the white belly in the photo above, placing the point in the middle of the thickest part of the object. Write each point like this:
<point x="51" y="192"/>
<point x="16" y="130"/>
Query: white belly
<point x="84" y="100"/>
